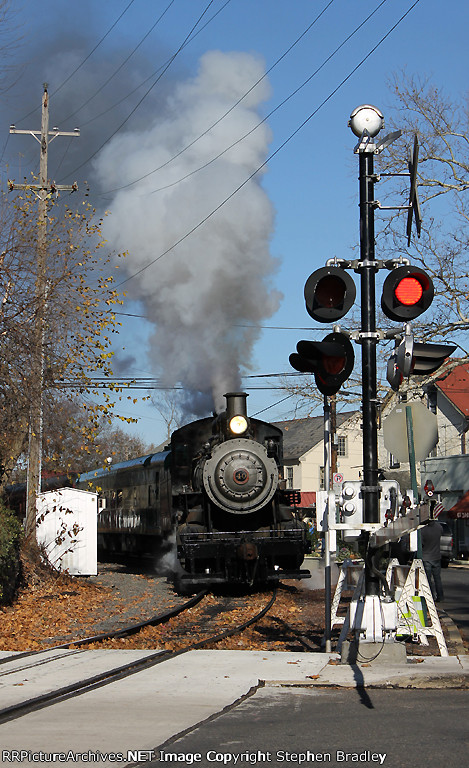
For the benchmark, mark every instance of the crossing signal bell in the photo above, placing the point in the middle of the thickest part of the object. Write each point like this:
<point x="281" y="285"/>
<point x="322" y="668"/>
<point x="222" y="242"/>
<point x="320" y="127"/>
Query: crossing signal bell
<point x="331" y="360"/>
<point x="407" y="292"/>
<point x="329" y="294"/>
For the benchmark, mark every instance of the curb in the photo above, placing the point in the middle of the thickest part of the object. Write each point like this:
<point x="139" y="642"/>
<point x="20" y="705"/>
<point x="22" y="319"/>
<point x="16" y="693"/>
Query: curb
<point x="405" y="683"/>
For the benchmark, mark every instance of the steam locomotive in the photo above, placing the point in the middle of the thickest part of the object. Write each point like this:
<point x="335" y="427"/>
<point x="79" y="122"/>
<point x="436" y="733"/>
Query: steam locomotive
<point x="235" y="524"/>
<point x="219" y="487"/>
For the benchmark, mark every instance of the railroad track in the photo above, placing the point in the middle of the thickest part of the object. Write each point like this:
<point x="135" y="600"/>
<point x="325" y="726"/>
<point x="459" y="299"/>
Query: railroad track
<point x="82" y="686"/>
<point x="131" y="629"/>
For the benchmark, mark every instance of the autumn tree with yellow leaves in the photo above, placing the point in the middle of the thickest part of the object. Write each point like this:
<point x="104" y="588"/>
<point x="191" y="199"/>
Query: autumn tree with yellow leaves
<point x="78" y="309"/>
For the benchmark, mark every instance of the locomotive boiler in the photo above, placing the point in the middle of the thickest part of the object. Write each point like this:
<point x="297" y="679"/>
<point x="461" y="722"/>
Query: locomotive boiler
<point x="235" y="522"/>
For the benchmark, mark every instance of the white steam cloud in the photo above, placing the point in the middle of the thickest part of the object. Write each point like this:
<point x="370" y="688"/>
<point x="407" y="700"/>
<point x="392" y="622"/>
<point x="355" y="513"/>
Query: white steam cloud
<point x="201" y="293"/>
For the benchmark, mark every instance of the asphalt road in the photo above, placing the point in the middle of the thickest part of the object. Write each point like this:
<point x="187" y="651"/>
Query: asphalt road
<point x="291" y="727"/>
<point x="295" y="726"/>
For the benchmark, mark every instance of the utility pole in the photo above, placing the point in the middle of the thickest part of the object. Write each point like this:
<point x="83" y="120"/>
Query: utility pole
<point x="43" y="191"/>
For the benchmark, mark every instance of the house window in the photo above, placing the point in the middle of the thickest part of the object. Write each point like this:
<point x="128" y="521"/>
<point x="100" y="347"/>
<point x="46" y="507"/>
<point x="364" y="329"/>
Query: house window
<point x="393" y="462"/>
<point x="289" y="477"/>
<point x="321" y="478"/>
<point x="341" y="445"/>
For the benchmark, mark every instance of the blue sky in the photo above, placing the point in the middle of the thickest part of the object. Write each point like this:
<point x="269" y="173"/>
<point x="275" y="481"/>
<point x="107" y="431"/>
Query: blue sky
<point x="310" y="183"/>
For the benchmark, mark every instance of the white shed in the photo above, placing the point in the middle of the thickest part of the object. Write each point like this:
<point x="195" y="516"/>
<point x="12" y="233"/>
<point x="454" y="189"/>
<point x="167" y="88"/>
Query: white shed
<point x="67" y="529"/>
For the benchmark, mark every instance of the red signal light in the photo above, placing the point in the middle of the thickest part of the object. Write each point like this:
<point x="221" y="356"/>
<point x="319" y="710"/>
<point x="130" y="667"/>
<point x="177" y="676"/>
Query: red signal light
<point x="409" y="291"/>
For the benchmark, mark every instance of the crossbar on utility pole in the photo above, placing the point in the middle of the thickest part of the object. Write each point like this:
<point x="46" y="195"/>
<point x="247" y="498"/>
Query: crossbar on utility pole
<point x="43" y="191"/>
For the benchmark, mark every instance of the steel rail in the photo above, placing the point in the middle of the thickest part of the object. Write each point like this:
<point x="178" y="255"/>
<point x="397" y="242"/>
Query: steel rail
<point x="16" y="711"/>
<point x="130" y="630"/>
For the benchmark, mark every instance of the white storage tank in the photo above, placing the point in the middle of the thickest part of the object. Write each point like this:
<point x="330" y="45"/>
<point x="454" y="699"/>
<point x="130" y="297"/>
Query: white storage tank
<point x="67" y="529"/>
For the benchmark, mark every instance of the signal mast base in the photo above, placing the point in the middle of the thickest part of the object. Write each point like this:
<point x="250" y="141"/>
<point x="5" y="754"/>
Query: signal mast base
<point x="365" y="652"/>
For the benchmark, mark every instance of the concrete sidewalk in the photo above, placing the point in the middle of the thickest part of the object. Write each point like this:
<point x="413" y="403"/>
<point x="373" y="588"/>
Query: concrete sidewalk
<point x="145" y="710"/>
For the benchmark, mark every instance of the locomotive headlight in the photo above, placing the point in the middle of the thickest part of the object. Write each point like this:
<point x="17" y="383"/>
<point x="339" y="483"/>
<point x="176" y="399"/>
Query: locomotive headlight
<point x="238" y="425"/>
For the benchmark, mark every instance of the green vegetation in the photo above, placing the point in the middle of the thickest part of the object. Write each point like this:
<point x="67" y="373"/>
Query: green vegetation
<point x="10" y="537"/>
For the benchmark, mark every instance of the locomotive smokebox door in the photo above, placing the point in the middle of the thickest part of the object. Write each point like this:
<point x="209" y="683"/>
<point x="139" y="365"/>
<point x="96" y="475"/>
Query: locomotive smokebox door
<point x="239" y="477"/>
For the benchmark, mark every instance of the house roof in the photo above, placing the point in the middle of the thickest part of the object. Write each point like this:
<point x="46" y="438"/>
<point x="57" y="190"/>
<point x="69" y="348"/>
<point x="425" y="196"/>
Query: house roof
<point x="300" y="435"/>
<point x="455" y="387"/>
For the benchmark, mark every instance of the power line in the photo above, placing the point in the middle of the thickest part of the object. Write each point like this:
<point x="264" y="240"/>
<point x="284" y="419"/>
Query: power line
<point x="124" y="98"/>
<point x="123" y="63"/>
<point x="264" y="120"/>
<point x="93" y="50"/>
<point x="165" y="69"/>
<point x="298" y="129"/>
<point x="274" y="405"/>
<point x="153" y="380"/>
<point x="85" y="59"/>
<point x="145" y="387"/>
<point x="235" y="325"/>
<point x="213" y="125"/>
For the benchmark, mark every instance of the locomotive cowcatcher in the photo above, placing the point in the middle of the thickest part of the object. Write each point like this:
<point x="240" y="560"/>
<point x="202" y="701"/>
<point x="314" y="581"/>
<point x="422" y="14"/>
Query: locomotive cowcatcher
<point x="235" y="524"/>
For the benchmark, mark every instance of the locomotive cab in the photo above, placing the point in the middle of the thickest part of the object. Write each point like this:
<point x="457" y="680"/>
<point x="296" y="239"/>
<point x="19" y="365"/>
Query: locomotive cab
<point x="226" y="478"/>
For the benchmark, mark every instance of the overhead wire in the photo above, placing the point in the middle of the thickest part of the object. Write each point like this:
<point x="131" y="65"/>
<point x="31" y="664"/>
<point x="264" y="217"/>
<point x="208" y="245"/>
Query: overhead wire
<point x="267" y="117"/>
<point x="67" y="79"/>
<point x="124" y="98"/>
<point x="87" y="57"/>
<point x="123" y="63"/>
<point x="116" y="71"/>
<point x="189" y="39"/>
<point x="235" y="325"/>
<point x="222" y="117"/>
<point x="147" y="92"/>
<point x="83" y="60"/>
<point x="274" y="405"/>
<point x="161" y="72"/>
<point x="276" y="152"/>
<point x="64" y="155"/>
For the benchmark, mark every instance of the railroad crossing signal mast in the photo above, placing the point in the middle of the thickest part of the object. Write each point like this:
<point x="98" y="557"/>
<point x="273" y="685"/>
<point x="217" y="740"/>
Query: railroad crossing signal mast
<point x="407" y="292"/>
<point x="366" y="122"/>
